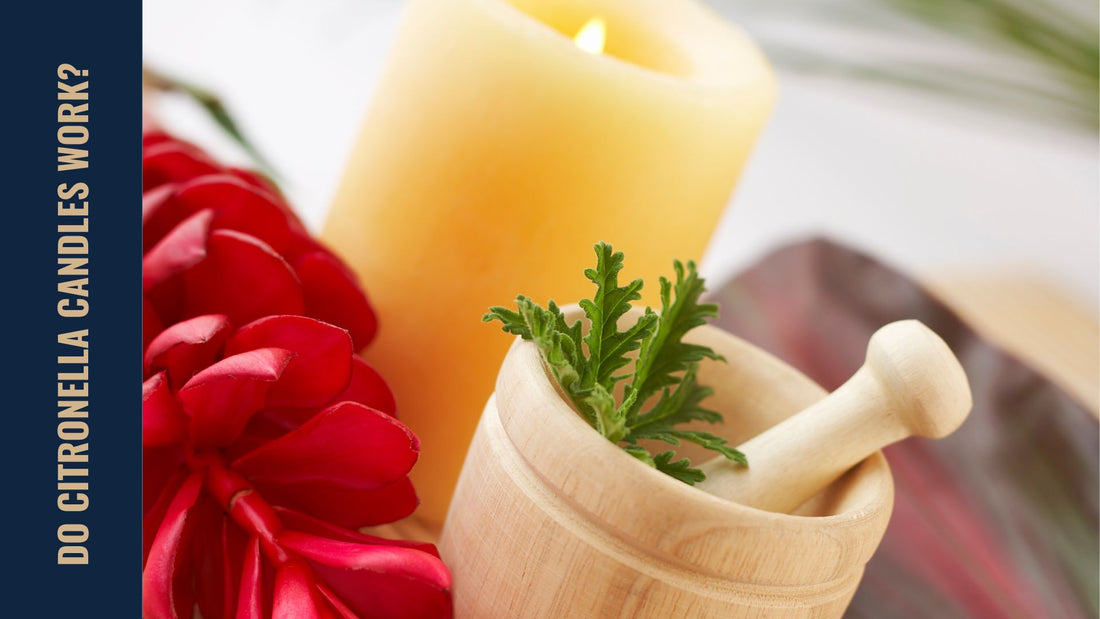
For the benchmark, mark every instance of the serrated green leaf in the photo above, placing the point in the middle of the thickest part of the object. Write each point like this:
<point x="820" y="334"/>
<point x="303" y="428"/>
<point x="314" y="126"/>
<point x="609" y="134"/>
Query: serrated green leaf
<point x="607" y="346"/>
<point x="680" y="469"/>
<point x="608" y="420"/>
<point x="585" y="366"/>
<point x="663" y="355"/>
<point x="640" y="453"/>
<point x="676" y="407"/>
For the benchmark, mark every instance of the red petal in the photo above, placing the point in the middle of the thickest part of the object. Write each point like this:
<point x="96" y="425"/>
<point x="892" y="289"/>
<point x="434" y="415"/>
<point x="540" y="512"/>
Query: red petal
<point x="377" y="581"/>
<point x="346" y="507"/>
<point x="162" y="421"/>
<point x="243" y="278"/>
<point x="250" y="603"/>
<point x="332" y="294"/>
<point x="367" y="387"/>
<point x="166" y="580"/>
<point x="246" y="507"/>
<point x="266" y="425"/>
<point x="380" y="559"/>
<point x="154" y="512"/>
<point x="158" y="466"/>
<point x="218" y="550"/>
<point x="263" y="183"/>
<point x="294" y="593"/>
<point x="347" y="445"/>
<point x="151" y="324"/>
<point x="260" y="181"/>
<point x="170" y="161"/>
<point x="337" y="605"/>
<point x="153" y="136"/>
<point x="297" y="521"/>
<point x="152" y="202"/>
<point x="187" y="347"/>
<point x="322" y="362"/>
<point x="271" y="423"/>
<point x="222" y="398"/>
<point x="236" y="204"/>
<point x="183" y="248"/>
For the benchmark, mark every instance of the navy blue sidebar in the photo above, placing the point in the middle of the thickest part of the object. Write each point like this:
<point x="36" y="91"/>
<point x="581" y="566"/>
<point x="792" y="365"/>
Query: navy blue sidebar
<point x="71" y="303"/>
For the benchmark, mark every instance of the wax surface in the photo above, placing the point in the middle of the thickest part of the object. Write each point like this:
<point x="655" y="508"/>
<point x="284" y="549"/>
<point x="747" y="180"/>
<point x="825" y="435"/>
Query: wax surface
<point x="496" y="153"/>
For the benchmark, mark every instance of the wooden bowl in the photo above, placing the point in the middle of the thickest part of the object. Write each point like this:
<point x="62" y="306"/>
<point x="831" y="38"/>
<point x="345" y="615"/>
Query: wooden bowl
<point x="549" y="519"/>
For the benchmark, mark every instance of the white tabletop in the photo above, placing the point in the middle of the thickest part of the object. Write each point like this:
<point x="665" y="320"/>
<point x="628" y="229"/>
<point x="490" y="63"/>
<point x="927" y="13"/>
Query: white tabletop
<point x="929" y="185"/>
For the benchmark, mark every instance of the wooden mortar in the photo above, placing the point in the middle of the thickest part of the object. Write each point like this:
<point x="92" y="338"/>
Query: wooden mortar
<point x="550" y="519"/>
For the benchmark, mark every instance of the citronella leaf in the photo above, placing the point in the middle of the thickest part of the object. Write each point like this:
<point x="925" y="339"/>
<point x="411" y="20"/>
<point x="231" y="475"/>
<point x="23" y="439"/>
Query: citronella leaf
<point x="585" y="366"/>
<point x="513" y="322"/>
<point x="558" y="342"/>
<point x="680" y="469"/>
<point x="607" y="346"/>
<point x="664" y="354"/>
<point x="711" y="442"/>
<point x="682" y="405"/>
<point x="609" y="421"/>
<point x="640" y="453"/>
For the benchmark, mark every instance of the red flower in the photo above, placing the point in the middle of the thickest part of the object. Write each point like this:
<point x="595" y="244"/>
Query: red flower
<point x="267" y="441"/>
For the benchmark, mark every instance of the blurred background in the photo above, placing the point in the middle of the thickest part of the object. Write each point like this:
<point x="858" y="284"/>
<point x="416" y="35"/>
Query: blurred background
<point x="946" y="136"/>
<point x="954" y="139"/>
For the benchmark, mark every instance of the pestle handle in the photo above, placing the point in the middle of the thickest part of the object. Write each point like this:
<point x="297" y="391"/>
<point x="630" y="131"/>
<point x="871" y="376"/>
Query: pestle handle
<point x="910" y="384"/>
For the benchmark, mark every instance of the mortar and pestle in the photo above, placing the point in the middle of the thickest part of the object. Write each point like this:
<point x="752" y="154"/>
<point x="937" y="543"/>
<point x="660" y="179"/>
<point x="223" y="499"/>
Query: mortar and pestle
<point x="550" y="519"/>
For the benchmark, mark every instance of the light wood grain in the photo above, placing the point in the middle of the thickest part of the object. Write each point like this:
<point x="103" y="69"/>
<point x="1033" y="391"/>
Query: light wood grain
<point x="551" y="520"/>
<point x="911" y="384"/>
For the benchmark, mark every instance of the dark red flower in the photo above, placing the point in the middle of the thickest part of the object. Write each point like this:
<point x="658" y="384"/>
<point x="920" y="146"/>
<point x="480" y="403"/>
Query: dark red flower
<point x="267" y="440"/>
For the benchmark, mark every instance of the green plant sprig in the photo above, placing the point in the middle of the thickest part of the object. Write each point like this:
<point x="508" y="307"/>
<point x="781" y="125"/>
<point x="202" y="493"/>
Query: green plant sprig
<point x="665" y="367"/>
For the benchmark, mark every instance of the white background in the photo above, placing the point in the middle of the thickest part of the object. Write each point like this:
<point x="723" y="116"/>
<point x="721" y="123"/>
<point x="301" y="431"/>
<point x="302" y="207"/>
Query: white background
<point x="930" y="185"/>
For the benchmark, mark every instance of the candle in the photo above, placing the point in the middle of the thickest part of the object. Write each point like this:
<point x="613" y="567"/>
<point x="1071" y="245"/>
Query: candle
<point x="505" y="138"/>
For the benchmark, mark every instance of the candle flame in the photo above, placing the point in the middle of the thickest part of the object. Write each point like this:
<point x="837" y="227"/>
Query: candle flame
<point x="591" y="36"/>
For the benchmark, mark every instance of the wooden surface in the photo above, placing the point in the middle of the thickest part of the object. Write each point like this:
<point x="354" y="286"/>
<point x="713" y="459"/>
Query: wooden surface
<point x="552" y="520"/>
<point x="911" y="384"/>
<point x="1033" y="319"/>
<point x="1027" y="316"/>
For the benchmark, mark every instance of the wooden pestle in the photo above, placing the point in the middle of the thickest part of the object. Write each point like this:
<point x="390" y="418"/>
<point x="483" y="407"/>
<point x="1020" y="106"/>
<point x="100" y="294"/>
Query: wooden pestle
<point x="910" y="384"/>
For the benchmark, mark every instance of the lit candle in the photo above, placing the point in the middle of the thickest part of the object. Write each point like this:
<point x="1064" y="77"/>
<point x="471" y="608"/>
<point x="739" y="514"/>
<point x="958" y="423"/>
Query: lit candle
<point x="498" y="149"/>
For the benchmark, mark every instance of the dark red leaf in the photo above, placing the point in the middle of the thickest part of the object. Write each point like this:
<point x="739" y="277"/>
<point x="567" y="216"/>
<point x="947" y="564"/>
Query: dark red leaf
<point x="166" y="580"/>
<point x="262" y="182"/>
<point x="154" y="511"/>
<point x="153" y="135"/>
<point x="152" y="202"/>
<point x="242" y="278"/>
<point x="297" y="521"/>
<point x="219" y="553"/>
<point x="346" y="507"/>
<point x="295" y="593"/>
<point x="162" y="421"/>
<point x="322" y="362"/>
<point x="367" y="387"/>
<point x="250" y="598"/>
<point x="158" y="465"/>
<point x="236" y="204"/>
<point x="171" y="160"/>
<point x="222" y="398"/>
<point x="183" y="248"/>
<point x="187" y="347"/>
<point x="377" y="581"/>
<point x="332" y="294"/>
<point x="337" y="605"/>
<point x="151" y="324"/>
<point x="345" y="446"/>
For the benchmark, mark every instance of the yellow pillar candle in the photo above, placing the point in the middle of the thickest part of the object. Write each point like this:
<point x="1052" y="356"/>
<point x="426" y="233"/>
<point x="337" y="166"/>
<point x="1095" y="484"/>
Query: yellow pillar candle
<point x="498" y="150"/>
